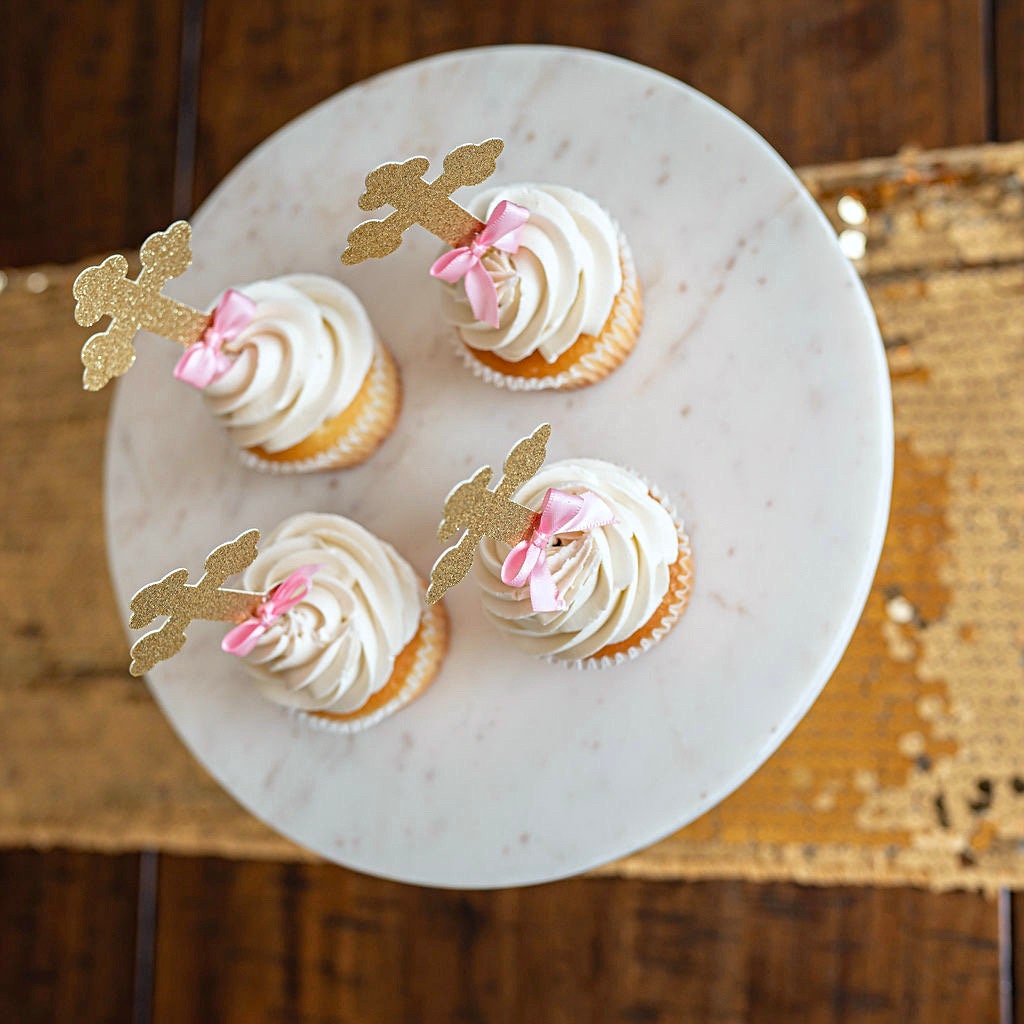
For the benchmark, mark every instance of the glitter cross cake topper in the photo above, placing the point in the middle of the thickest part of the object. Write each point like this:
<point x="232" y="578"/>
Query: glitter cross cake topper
<point x="481" y="512"/>
<point x="415" y="201"/>
<point x="106" y="290"/>
<point x="134" y="305"/>
<point x="181" y="602"/>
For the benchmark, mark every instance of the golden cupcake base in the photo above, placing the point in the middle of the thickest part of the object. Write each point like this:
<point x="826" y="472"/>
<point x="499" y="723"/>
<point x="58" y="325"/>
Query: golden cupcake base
<point x="415" y="669"/>
<point x="349" y="438"/>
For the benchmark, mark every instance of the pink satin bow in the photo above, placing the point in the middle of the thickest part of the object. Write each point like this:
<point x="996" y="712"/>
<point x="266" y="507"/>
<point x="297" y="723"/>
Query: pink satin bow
<point x="204" y="360"/>
<point x="561" y="512"/>
<point x="241" y="640"/>
<point x="502" y="231"/>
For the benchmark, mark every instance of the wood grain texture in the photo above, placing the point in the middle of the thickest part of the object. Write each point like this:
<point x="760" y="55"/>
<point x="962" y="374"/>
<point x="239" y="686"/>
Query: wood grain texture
<point x="269" y="943"/>
<point x="88" y="115"/>
<point x="821" y="81"/>
<point x="1008" y="72"/>
<point x="87" y="128"/>
<point x="67" y="937"/>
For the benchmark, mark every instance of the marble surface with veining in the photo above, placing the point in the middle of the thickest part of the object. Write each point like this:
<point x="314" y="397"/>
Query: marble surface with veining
<point x="757" y="399"/>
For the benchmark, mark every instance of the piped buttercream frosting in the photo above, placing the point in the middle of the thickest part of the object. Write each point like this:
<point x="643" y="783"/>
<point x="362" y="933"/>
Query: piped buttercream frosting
<point x="337" y="646"/>
<point x="560" y="284"/>
<point x="299" y="363"/>
<point x="612" y="578"/>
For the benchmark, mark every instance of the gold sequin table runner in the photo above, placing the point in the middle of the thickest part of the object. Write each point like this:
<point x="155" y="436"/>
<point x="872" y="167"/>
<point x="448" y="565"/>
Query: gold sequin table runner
<point x="908" y="769"/>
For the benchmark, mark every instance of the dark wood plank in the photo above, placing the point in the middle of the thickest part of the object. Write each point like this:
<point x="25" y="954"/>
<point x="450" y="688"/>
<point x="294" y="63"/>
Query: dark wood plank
<point x="820" y="81"/>
<point x="1008" y="47"/>
<point x="259" y="942"/>
<point x="1016" y="925"/>
<point x="67" y="936"/>
<point x="88" y="116"/>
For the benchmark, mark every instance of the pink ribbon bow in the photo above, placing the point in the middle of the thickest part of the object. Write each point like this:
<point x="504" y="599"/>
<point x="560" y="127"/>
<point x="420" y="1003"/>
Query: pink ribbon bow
<point x="561" y="513"/>
<point x="502" y="231"/>
<point x="241" y="640"/>
<point x="204" y="361"/>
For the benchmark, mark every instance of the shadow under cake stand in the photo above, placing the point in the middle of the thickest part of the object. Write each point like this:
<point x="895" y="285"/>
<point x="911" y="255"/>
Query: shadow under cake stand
<point x="757" y="399"/>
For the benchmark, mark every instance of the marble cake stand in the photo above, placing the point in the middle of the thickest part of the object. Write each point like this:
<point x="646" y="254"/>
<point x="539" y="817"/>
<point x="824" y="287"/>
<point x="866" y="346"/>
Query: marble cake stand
<point x="757" y="398"/>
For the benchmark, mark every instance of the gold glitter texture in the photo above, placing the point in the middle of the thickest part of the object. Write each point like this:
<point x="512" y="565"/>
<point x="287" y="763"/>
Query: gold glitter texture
<point x="182" y="602"/>
<point x="136" y="305"/>
<point x="485" y="513"/>
<point x="420" y="202"/>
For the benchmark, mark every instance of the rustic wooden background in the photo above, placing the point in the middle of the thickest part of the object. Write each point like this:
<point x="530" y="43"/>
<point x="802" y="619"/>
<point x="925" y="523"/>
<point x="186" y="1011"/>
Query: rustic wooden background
<point x="115" y="116"/>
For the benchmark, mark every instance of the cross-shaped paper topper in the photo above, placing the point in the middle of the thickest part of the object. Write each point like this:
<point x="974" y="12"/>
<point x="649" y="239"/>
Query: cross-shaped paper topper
<point x="420" y="202"/>
<point x="182" y="602"/>
<point x="106" y="290"/>
<point x="485" y="513"/>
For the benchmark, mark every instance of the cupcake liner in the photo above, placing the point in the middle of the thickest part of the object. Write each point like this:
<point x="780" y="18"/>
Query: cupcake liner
<point x="415" y="669"/>
<point x="665" y="616"/>
<point x="352" y="436"/>
<point x="592" y="357"/>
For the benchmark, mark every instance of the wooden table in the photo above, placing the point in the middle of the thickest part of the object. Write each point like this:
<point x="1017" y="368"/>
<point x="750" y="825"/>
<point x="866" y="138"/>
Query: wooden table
<point x="117" y="117"/>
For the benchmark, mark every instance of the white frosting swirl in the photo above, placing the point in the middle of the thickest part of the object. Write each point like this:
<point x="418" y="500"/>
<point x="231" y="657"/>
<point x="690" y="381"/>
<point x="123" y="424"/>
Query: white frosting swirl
<point x="299" y="363"/>
<point x="337" y="646"/>
<point x="612" y="579"/>
<point x="565" y="275"/>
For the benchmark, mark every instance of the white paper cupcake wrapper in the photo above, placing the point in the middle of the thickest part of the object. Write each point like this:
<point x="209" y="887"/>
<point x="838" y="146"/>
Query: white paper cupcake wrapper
<point x="576" y="376"/>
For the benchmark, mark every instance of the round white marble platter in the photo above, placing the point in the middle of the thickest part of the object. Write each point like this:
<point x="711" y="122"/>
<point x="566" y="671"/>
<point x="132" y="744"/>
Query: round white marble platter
<point x="757" y="398"/>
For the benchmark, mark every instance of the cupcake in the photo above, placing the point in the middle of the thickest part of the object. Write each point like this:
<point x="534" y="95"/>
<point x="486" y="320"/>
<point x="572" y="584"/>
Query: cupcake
<point x="569" y="303"/>
<point x="621" y="586"/>
<point x="291" y="367"/>
<point x="307" y="384"/>
<point x="359" y="644"/>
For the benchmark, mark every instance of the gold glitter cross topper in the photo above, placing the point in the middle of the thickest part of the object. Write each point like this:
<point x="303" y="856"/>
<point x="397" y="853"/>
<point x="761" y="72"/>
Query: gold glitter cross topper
<point x="182" y="602"/>
<point x="472" y="507"/>
<point x="106" y="290"/>
<point x="416" y="201"/>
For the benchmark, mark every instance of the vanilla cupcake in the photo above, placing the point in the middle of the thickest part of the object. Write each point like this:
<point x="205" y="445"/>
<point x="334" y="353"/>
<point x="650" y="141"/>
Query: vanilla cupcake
<point x="624" y="585"/>
<point x="569" y="299"/>
<point x="309" y="385"/>
<point x="360" y="644"/>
